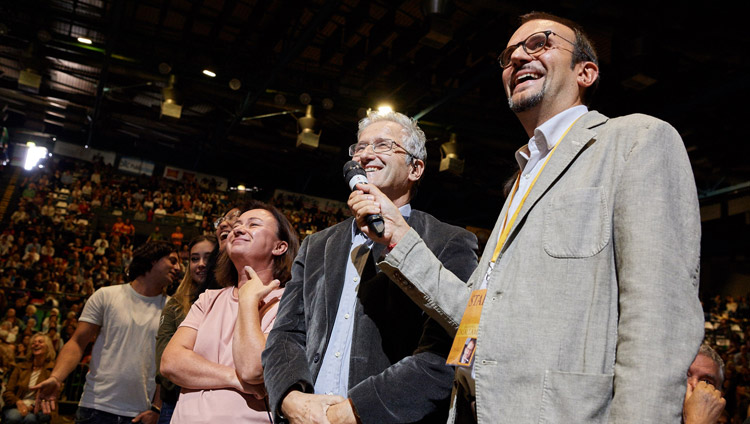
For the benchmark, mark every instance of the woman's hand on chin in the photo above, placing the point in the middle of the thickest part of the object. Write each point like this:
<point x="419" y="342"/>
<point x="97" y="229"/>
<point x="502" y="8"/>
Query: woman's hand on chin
<point x="255" y="287"/>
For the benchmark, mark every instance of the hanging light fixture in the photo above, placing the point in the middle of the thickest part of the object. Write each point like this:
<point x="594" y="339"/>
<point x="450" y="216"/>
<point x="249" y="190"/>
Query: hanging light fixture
<point x="450" y="160"/>
<point x="170" y="105"/>
<point x="307" y="138"/>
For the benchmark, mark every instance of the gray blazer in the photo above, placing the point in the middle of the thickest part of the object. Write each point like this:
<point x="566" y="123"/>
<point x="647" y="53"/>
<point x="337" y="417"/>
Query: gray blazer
<point x="397" y="370"/>
<point x="592" y="311"/>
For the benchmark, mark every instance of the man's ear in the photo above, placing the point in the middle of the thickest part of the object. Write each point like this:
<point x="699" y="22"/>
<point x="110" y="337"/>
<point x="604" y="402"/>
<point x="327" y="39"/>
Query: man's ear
<point x="280" y="248"/>
<point x="588" y="72"/>
<point x="416" y="170"/>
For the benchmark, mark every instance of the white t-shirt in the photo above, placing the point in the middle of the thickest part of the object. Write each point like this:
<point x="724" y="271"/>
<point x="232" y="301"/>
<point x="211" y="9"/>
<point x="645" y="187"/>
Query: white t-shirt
<point x="121" y="373"/>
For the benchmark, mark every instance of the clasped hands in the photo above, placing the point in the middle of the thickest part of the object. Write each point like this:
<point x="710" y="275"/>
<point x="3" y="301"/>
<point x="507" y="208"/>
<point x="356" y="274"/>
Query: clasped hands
<point x="304" y="408"/>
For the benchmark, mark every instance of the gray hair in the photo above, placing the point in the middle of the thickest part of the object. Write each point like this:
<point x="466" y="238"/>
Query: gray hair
<point x="414" y="138"/>
<point x="709" y="352"/>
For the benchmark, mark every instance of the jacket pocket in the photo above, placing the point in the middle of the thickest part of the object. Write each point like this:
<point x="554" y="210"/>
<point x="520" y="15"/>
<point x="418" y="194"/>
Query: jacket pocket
<point x="576" y="224"/>
<point x="569" y="398"/>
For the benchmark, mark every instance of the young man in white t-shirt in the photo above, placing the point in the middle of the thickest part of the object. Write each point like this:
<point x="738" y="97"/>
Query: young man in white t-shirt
<point x="124" y="319"/>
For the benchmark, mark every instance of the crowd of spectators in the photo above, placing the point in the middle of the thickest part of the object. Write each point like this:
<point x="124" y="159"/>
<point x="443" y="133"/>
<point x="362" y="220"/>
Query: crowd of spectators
<point x="73" y="229"/>
<point x="728" y="331"/>
<point x="56" y="250"/>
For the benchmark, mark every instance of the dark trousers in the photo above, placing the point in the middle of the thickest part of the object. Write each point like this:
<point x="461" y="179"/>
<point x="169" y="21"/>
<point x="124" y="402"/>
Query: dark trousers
<point x="94" y="416"/>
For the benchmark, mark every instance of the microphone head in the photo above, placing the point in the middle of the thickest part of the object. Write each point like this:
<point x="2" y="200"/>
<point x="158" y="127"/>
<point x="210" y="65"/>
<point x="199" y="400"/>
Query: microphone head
<point x="354" y="174"/>
<point x="353" y="168"/>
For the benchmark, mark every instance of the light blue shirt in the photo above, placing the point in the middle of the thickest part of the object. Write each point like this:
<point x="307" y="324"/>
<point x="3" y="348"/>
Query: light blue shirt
<point x="333" y="378"/>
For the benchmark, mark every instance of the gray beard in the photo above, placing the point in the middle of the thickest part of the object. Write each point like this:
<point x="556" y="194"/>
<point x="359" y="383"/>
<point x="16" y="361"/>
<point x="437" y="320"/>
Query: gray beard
<point x="528" y="102"/>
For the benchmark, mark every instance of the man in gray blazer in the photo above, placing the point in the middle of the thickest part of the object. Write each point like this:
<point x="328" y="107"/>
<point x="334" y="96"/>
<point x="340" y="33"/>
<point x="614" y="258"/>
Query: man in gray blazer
<point x="591" y="311"/>
<point x="348" y="345"/>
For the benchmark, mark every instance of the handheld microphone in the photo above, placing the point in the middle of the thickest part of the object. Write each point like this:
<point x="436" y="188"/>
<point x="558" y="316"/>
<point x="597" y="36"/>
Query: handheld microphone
<point x="354" y="174"/>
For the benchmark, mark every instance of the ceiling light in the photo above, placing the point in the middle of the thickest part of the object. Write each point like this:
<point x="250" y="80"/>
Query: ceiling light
<point x="450" y="159"/>
<point x="307" y="138"/>
<point x="385" y="109"/>
<point x="85" y="40"/>
<point x="208" y="73"/>
<point x="34" y="154"/>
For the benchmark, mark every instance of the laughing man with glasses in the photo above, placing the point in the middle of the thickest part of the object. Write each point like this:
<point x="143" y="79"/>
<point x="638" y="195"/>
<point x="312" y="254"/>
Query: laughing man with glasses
<point x="590" y="310"/>
<point x="348" y="345"/>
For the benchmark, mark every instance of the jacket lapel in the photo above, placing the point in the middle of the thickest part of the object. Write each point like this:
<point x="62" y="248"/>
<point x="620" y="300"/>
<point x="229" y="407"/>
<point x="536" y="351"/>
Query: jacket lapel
<point x="570" y="146"/>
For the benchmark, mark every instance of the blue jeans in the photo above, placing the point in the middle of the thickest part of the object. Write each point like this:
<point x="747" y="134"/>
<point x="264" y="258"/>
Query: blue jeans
<point x="94" y="416"/>
<point x="12" y="416"/>
<point x="166" y="412"/>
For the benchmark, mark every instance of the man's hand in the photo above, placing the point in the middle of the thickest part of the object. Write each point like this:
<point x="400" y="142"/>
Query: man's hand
<point x="369" y="200"/>
<point x="46" y="395"/>
<point x="300" y="407"/>
<point x="147" y="417"/>
<point x="22" y="408"/>
<point x="703" y="405"/>
<point x="342" y="413"/>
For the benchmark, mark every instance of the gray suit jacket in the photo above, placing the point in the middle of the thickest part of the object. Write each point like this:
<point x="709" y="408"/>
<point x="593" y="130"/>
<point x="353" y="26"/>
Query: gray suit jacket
<point x="397" y="370"/>
<point x="592" y="311"/>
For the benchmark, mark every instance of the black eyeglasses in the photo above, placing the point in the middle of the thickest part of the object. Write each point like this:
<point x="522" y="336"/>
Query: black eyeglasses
<point x="532" y="44"/>
<point x="381" y="145"/>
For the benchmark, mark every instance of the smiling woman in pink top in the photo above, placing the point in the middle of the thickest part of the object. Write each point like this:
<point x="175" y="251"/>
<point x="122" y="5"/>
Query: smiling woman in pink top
<point x="215" y="353"/>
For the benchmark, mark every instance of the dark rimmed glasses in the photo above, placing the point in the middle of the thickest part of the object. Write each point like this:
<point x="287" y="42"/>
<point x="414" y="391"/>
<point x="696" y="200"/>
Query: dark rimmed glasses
<point x="534" y="43"/>
<point x="381" y="145"/>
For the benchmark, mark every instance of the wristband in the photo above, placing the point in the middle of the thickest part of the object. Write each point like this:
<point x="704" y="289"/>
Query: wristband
<point x="155" y="409"/>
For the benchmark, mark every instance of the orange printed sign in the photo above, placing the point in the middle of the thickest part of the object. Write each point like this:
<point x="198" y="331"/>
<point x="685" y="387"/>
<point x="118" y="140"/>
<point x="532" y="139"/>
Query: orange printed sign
<point x="464" y="345"/>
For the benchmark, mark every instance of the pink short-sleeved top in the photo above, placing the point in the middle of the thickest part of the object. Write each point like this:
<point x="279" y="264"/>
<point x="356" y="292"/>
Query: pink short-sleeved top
<point x="213" y="315"/>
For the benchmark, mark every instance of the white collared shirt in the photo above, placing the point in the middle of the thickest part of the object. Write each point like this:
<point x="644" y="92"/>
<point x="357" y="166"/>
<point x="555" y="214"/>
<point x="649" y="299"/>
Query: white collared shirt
<point x="531" y="157"/>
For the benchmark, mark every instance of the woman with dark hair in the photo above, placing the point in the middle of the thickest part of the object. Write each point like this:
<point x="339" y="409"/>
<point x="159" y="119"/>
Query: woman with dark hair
<point x="215" y="353"/>
<point x="18" y="399"/>
<point x="193" y="284"/>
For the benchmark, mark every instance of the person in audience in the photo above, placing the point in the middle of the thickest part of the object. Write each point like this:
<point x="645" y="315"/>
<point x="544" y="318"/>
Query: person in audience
<point x="193" y="284"/>
<point x="10" y="317"/>
<point x="19" y="399"/>
<point x="19" y="216"/>
<point x="156" y="235"/>
<point x="215" y="353"/>
<point x="118" y="227"/>
<point x="123" y="319"/>
<point x="51" y="321"/>
<point x="30" y="314"/>
<point x="177" y="237"/>
<point x="703" y="399"/>
<point x="47" y="251"/>
<point x="101" y="244"/>
<point x="32" y="255"/>
<point x="7" y="350"/>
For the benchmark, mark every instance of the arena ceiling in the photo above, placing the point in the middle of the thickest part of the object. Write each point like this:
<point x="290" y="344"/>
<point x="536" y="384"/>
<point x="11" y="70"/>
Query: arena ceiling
<point x="432" y="59"/>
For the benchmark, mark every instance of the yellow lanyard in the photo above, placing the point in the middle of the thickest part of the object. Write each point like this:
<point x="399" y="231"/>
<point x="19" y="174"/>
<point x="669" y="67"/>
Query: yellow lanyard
<point x="508" y="225"/>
